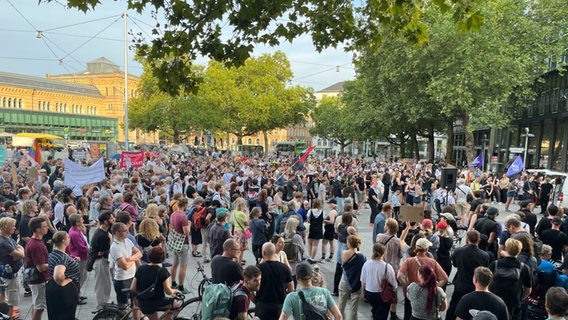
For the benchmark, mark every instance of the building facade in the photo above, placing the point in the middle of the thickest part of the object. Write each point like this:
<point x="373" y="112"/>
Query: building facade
<point x="84" y="106"/>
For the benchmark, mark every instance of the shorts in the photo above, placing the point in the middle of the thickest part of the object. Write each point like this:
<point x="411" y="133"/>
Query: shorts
<point x="38" y="296"/>
<point x="12" y="291"/>
<point x="151" y="306"/>
<point x="122" y="289"/>
<point x="182" y="257"/>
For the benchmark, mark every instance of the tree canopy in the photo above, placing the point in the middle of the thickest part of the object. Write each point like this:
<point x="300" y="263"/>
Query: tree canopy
<point x="229" y="30"/>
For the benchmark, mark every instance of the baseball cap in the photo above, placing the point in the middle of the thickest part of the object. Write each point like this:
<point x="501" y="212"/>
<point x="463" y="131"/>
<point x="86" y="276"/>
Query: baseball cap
<point x="482" y="315"/>
<point x="448" y="216"/>
<point x="492" y="212"/>
<point x="304" y="271"/>
<point x="557" y="221"/>
<point x="441" y="225"/>
<point x="427" y="223"/>
<point x="8" y="204"/>
<point x="332" y="201"/>
<point x="67" y="191"/>
<point x="423" y="243"/>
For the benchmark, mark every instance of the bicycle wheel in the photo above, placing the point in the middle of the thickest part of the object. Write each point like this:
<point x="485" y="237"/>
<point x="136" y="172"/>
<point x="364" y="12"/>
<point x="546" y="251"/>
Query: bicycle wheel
<point x="108" y="315"/>
<point x="190" y="310"/>
<point x="201" y="288"/>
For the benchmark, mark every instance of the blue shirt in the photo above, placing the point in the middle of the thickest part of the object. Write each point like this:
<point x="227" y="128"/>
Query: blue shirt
<point x="379" y="226"/>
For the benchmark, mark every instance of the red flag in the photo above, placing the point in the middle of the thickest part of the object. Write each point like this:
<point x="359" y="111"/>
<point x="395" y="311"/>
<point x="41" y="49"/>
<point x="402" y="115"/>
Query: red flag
<point x="299" y="164"/>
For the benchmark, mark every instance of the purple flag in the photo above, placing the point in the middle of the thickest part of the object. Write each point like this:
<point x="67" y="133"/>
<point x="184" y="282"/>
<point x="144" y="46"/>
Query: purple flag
<point x="477" y="162"/>
<point x="516" y="167"/>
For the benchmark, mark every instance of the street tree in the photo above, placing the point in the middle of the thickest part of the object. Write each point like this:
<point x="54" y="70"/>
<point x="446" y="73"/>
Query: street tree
<point x="333" y="121"/>
<point x="176" y="117"/>
<point x="229" y="30"/>
<point x="254" y="97"/>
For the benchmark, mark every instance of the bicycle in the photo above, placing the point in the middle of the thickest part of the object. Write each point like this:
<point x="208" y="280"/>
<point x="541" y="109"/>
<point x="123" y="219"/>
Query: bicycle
<point x="204" y="282"/>
<point x="111" y="311"/>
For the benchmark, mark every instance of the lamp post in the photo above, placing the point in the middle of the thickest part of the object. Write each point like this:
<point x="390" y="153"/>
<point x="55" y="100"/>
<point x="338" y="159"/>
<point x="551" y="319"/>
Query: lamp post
<point x="484" y="141"/>
<point x="527" y="135"/>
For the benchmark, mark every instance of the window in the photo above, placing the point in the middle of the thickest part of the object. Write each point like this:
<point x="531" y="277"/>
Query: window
<point x="20" y="104"/>
<point x="110" y="106"/>
<point x="95" y="110"/>
<point x="9" y="102"/>
<point x="39" y="105"/>
<point x="257" y="141"/>
<point x="249" y="141"/>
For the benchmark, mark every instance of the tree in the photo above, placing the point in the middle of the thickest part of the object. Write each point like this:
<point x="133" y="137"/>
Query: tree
<point x="174" y="116"/>
<point x="333" y="121"/>
<point x="229" y="30"/>
<point x="254" y="97"/>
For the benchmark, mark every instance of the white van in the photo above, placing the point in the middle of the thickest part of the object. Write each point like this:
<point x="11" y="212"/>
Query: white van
<point x="559" y="190"/>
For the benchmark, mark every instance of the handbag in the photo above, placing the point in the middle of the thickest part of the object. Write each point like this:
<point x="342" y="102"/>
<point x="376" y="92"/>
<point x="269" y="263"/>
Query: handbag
<point x="175" y="240"/>
<point x="148" y="293"/>
<point x="30" y="274"/>
<point x="388" y="292"/>
<point x="246" y="231"/>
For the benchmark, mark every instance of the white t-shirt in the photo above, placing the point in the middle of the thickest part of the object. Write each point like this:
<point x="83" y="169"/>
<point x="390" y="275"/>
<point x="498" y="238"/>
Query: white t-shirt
<point x="461" y="193"/>
<point x="121" y="250"/>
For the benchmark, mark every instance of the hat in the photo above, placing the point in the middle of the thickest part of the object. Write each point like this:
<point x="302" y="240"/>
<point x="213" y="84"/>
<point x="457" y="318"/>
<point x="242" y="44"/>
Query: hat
<point x="557" y="221"/>
<point x="492" y="212"/>
<point x="482" y="315"/>
<point x="525" y="203"/>
<point x="448" y="216"/>
<point x="423" y="243"/>
<point x="427" y="223"/>
<point x="221" y="213"/>
<point x="8" y="204"/>
<point x="304" y="271"/>
<point x="333" y="201"/>
<point x="67" y="191"/>
<point x="442" y="225"/>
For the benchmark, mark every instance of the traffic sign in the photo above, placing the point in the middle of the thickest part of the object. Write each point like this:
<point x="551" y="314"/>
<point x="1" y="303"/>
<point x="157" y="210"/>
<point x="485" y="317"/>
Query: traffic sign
<point x="65" y="136"/>
<point x="516" y="150"/>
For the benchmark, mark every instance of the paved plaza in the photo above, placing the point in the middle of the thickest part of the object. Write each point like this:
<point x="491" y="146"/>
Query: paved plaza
<point x="193" y="277"/>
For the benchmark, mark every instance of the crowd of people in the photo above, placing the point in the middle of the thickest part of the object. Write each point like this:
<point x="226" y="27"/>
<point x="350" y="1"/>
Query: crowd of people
<point x="214" y="208"/>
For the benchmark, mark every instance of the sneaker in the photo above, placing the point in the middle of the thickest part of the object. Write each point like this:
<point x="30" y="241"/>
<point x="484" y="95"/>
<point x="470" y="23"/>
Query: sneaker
<point x="174" y="285"/>
<point x="27" y="293"/>
<point x="206" y="260"/>
<point x="166" y="264"/>
<point x="184" y="290"/>
<point x="328" y="259"/>
<point x="335" y="294"/>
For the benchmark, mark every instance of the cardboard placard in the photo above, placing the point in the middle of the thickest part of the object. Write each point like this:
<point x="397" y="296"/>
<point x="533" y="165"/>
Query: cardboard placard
<point x="32" y="173"/>
<point x="412" y="214"/>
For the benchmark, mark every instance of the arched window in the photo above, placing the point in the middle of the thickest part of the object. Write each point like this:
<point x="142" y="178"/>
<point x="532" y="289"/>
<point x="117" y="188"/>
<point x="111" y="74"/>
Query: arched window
<point x="9" y="102"/>
<point x="257" y="141"/>
<point x="249" y="141"/>
<point x="20" y="104"/>
<point x="94" y="110"/>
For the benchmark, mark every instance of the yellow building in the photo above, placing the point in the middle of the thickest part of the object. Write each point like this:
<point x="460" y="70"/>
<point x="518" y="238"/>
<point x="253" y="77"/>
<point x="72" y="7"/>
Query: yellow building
<point x="85" y="106"/>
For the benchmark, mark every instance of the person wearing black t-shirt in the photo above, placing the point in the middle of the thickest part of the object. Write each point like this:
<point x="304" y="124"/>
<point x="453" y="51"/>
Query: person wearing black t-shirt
<point x="556" y="239"/>
<point x="482" y="299"/>
<point x="544" y="194"/>
<point x="270" y="296"/>
<point x="223" y="268"/>
<point x="99" y="249"/>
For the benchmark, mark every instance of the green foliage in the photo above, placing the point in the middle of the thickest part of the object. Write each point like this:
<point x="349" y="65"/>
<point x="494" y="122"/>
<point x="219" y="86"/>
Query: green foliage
<point x="333" y="121"/>
<point x="174" y="117"/>
<point x="229" y="30"/>
<point x="254" y="97"/>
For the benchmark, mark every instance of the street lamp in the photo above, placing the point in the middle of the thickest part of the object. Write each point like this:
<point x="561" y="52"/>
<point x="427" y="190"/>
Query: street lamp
<point x="527" y="135"/>
<point x="484" y="141"/>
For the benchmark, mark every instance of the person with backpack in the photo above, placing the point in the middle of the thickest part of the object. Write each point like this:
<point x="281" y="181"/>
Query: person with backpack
<point x="543" y="279"/>
<point x="309" y="302"/>
<point x="482" y="298"/>
<point x="512" y="279"/>
<point x="488" y="229"/>
<point x="218" y="234"/>
<point x="196" y="215"/>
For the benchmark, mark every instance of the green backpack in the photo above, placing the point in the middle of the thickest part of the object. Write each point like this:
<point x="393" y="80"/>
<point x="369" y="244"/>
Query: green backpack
<point x="217" y="300"/>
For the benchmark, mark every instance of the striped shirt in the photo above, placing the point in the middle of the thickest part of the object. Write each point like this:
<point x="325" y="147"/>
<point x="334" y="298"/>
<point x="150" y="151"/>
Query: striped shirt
<point x="57" y="258"/>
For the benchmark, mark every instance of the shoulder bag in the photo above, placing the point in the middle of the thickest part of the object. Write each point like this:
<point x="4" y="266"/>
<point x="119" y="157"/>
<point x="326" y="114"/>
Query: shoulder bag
<point x="148" y="293"/>
<point x="388" y="292"/>
<point x="175" y="240"/>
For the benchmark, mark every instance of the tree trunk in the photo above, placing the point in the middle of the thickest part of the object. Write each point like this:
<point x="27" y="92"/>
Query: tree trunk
<point x="239" y="139"/>
<point x="265" y="134"/>
<point x="415" y="149"/>
<point x="342" y="147"/>
<point x="450" y="143"/>
<point x="431" y="145"/>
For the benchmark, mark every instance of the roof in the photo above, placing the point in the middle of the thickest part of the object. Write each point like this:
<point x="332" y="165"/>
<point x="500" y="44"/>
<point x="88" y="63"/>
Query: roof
<point x="102" y="65"/>
<point x="31" y="82"/>
<point x="337" y="87"/>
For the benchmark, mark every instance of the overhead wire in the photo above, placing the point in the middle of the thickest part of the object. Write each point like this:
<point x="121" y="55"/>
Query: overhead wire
<point x="80" y="23"/>
<point x="91" y="38"/>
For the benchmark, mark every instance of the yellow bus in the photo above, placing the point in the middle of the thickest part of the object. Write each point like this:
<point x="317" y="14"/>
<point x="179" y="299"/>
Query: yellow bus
<point x="45" y="141"/>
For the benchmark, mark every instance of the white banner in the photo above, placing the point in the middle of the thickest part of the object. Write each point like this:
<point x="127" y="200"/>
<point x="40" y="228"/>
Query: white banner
<point x="76" y="175"/>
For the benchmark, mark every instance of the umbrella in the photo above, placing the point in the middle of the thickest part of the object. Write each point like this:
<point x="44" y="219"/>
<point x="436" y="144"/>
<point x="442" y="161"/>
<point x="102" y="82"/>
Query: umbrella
<point x="116" y="156"/>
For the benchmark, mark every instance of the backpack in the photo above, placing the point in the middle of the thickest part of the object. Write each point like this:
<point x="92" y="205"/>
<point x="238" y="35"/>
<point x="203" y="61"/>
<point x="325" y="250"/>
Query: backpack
<point x="217" y="300"/>
<point x="507" y="279"/>
<point x="283" y="222"/>
<point x="310" y="312"/>
<point x="199" y="217"/>
<point x="291" y="249"/>
<point x="542" y="281"/>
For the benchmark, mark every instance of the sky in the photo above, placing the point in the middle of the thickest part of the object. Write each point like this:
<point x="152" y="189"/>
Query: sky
<point x="69" y="39"/>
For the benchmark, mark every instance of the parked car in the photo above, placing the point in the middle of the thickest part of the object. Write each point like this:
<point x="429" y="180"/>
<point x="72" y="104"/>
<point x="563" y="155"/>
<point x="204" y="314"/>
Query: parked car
<point x="559" y="190"/>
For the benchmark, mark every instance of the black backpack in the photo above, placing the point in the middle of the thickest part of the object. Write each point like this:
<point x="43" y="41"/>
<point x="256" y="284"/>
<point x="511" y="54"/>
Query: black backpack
<point x="310" y="312"/>
<point x="506" y="280"/>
